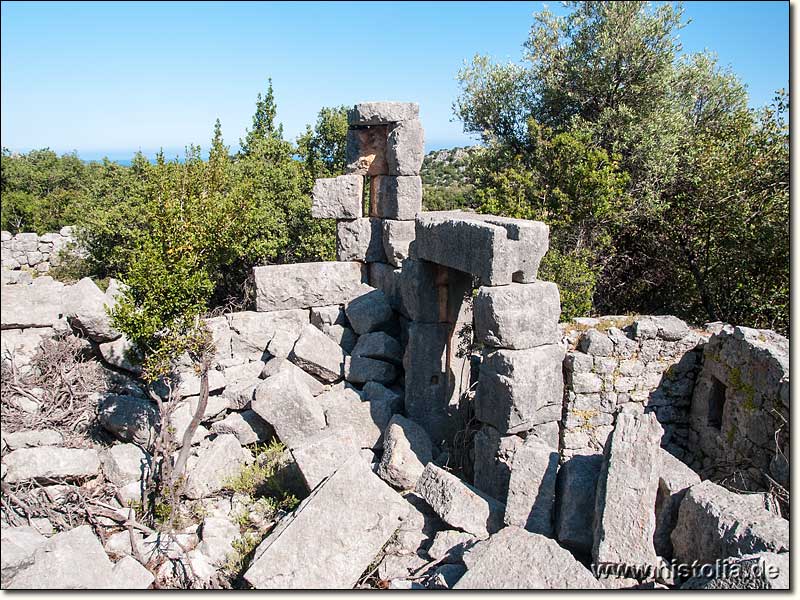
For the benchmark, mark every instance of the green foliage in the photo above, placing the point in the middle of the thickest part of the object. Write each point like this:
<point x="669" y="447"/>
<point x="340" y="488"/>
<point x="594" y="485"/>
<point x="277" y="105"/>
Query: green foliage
<point x="265" y="477"/>
<point x="444" y="181"/>
<point x="323" y="148"/>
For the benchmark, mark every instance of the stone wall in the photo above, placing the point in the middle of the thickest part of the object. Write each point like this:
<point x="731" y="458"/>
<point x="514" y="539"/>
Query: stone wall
<point x="32" y="251"/>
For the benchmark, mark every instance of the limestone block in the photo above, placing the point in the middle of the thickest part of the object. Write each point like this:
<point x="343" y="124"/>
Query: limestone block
<point x="369" y="311"/>
<point x="130" y="574"/>
<point x="122" y="353"/>
<point x="221" y="337"/>
<point x="397" y="235"/>
<point x="255" y="335"/>
<point x="247" y="426"/>
<point x="518" y="316"/>
<point x="577" y="482"/>
<point x="360" y="369"/>
<point x="303" y="285"/>
<point x="365" y="150"/>
<point x="494" y="455"/>
<point x="379" y="345"/>
<point x="23" y="306"/>
<point x="328" y="315"/>
<point x="596" y="343"/>
<point x="85" y="308"/>
<point x="19" y="545"/>
<point x="532" y="487"/>
<point x="450" y="545"/>
<point x="322" y="454"/>
<point x="337" y="197"/>
<point x="344" y="408"/>
<point x="386" y="278"/>
<point x="360" y="239"/>
<point x="214" y="464"/>
<point x="406" y="450"/>
<point x="396" y="197"/>
<point x="405" y="148"/>
<point x="50" y="463"/>
<point x="319" y="355"/>
<point x="32" y="438"/>
<point x="382" y="113"/>
<point x="129" y="418"/>
<point x="278" y="365"/>
<point x="125" y="463"/>
<point x="518" y="389"/>
<point x="673" y="481"/>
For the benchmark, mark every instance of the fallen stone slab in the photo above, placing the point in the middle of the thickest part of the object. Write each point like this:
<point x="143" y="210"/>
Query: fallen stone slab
<point x="625" y="520"/>
<point x="122" y="353"/>
<point x="369" y="312"/>
<point x="31" y="438"/>
<point x="346" y="520"/>
<point x="497" y="250"/>
<point x="518" y="389"/>
<point x="124" y="463"/>
<point x="213" y="465"/>
<point x="217" y="535"/>
<point x="257" y="335"/>
<point x="532" y="487"/>
<point x="762" y="571"/>
<point x="379" y="345"/>
<point x="247" y="426"/>
<point x="715" y="523"/>
<point x="74" y="559"/>
<point x="365" y="150"/>
<point x="344" y="408"/>
<point x="406" y="450"/>
<point x="303" y="285"/>
<point x="360" y="239"/>
<point x="576" y="485"/>
<point x="405" y="148"/>
<point x="19" y="545"/>
<point x="286" y="403"/>
<point x="85" y="308"/>
<point x="129" y="574"/>
<point x="359" y="370"/>
<point x="51" y="464"/>
<point x="397" y="237"/>
<point x="459" y="504"/>
<point x="323" y="453"/>
<point x="396" y="198"/>
<point x="377" y="392"/>
<point x="382" y="113"/>
<point x="337" y="197"/>
<point x="23" y="306"/>
<point x="189" y="382"/>
<point x="279" y="365"/>
<point x="518" y="316"/>
<point x="316" y="353"/>
<point x="674" y="479"/>
<point x="517" y="559"/>
<point x="450" y="545"/>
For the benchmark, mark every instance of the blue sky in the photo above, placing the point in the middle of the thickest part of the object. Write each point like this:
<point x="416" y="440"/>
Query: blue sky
<point x="110" y="78"/>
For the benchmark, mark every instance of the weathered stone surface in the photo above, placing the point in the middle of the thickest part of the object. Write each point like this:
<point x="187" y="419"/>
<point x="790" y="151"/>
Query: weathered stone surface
<point x="279" y="365"/>
<point x="673" y="481"/>
<point x="316" y="353"/>
<point x="517" y="316"/>
<point x="121" y="353"/>
<point x="494" y="455"/>
<point x="30" y="438"/>
<point x="286" y="403"/>
<point x="576" y="486"/>
<point x="405" y="148"/>
<point x="368" y="312"/>
<point x="518" y="389"/>
<point x="328" y="315"/>
<point x="396" y="237"/>
<point x="387" y="279"/>
<point x="365" y="150"/>
<point x="450" y="545"/>
<point x="344" y="408"/>
<point x="347" y="520"/>
<point x="24" y="306"/>
<point x="360" y="239"/>
<point x="74" y="559"/>
<point x="189" y="382"/>
<point x="459" y="504"/>
<point x="19" y="545"/>
<point x="246" y="372"/>
<point x="303" y="285"/>
<point x="124" y="463"/>
<point x="209" y="469"/>
<point x="247" y="426"/>
<point x="337" y="197"/>
<point x="129" y="418"/>
<point x="256" y="335"/>
<point x="532" y="487"/>
<point x="360" y="369"/>
<point x="216" y="538"/>
<point x="762" y="571"/>
<point x="517" y="559"/>
<point x="666" y="327"/>
<point x="396" y="198"/>
<point x="323" y="453"/>
<point x="714" y="523"/>
<point x="342" y="335"/>
<point x="626" y="492"/>
<point x="129" y="574"/>
<point x="435" y="294"/>
<point x="497" y="250"/>
<point x="85" y="308"/>
<point x="406" y="450"/>
<point x="382" y="113"/>
<point x="221" y="337"/>
<point x="379" y="345"/>
<point x="377" y="392"/>
<point x="596" y="343"/>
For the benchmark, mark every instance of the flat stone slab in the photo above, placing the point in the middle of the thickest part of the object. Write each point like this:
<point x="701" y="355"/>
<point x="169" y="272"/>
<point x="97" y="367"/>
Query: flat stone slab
<point x="532" y="488"/>
<point x="31" y="305"/>
<point x="497" y="250"/>
<point x="50" y="463"/>
<point x="257" y="335"/>
<point x="382" y="113"/>
<point x="337" y="197"/>
<point x="323" y="453"/>
<point x="577" y="482"/>
<point x="303" y="285"/>
<point x="333" y="536"/>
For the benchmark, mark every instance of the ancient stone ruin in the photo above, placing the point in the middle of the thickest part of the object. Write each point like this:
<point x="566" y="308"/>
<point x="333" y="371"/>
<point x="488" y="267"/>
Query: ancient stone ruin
<point x="446" y="431"/>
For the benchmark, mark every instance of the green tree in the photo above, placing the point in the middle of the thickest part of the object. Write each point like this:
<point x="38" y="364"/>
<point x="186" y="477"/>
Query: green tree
<point x="323" y="147"/>
<point x="264" y="126"/>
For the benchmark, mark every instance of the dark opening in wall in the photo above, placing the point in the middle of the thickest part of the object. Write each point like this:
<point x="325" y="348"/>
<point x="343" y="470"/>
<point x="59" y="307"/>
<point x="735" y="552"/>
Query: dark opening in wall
<point x="716" y="403"/>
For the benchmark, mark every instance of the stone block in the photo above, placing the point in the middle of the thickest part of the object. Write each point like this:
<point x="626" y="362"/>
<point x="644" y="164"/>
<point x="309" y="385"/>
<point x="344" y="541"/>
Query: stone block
<point x="596" y="343"/>
<point x="673" y="481"/>
<point x="370" y="311"/>
<point x="450" y="545"/>
<point x="129" y="418"/>
<point x="214" y="465"/>
<point x="23" y="306"/>
<point x="365" y="150"/>
<point x="247" y="426"/>
<point x="338" y="197"/>
<point x="459" y="504"/>
<point x="532" y="487"/>
<point x="257" y="335"/>
<point x="518" y="316"/>
<point x="124" y="463"/>
<point x="387" y="279"/>
<point x="344" y="408"/>
<point x="328" y="315"/>
<point x="303" y="285"/>
<point x="360" y="239"/>
<point x="396" y="237"/>
<point x="322" y="454"/>
<point x="518" y="389"/>
<point x="379" y="345"/>
<point x="50" y="464"/>
<point x="405" y="148"/>
<point x="346" y="521"/>
<point x="360" y="370"/>
<point x="85" y="309"/>
<point x="576" y="486"/>
<point x="382" y="113"/>
<point x="19" y="545"/>
<point x="396" y="197"/>
<point x="406" y="450"/>
<point x="316" y="353"/>
<point x="32" y="438"/>
<point x="494" y="455"/>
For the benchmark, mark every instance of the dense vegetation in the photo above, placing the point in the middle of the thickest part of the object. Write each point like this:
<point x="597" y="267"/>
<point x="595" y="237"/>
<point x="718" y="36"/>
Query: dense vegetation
<point x="664" y="192"/>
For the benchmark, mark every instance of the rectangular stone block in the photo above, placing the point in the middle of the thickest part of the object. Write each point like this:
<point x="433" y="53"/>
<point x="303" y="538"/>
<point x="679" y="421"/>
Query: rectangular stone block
<point x="497" y="250"/>
<point x="532" y="488"/>
<point x="577" y="481"/>
<point x="303" y="285"/>
<point x="405" y="148"/>
<point x="257" y="335"/>
<point x="518" y="389"/>
<point x="382" y="113"/>
<point x="333" y="536"/>
<point x="494" y="455"/>
<point x="337" y="197"/>
<point x="396" y="237"/>
<point x="398" y="198"/>
<point x="365" y="151"/>
<point x="360" y="239"/>
<point x="435" y="294"/>
<point x="518" y="316"/>
<point x="386" y="278"/>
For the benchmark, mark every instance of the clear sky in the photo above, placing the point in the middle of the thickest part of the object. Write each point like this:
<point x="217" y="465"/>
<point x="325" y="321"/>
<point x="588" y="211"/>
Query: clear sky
<point x="111" y="78"/>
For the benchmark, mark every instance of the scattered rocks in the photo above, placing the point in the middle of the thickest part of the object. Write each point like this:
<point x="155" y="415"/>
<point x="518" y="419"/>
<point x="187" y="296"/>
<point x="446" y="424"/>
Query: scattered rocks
<point x="213" y="465"/>
<point x="317" y="354"/>
<point x="406" y="450"/>
<point x="369" y="312"/>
